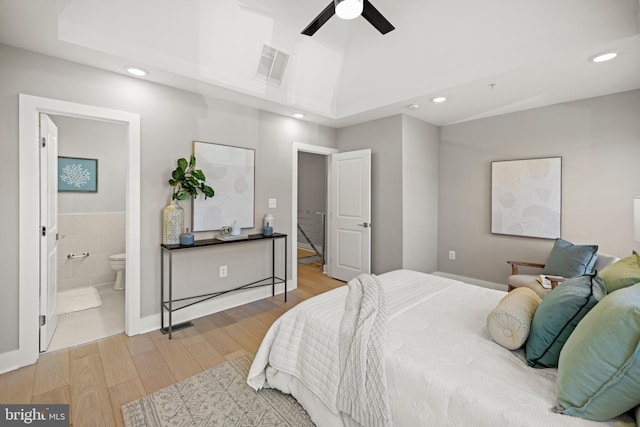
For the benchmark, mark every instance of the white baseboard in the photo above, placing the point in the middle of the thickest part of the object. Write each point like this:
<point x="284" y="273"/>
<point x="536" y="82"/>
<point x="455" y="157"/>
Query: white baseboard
<point x="473" y="281"/>
<point x="13" y="360"/>
<point x="230" y="300"/>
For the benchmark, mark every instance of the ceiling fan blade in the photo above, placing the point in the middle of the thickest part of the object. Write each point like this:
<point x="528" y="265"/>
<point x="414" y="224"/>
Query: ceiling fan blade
<point x="375" y="18"/>
<point x="320" y="20"/>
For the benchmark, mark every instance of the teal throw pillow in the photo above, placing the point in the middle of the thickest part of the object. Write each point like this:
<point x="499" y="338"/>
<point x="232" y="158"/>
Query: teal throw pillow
<point x="599" y="367"/>
<point x="568" y="260"/>
<point x="558" y="315"/>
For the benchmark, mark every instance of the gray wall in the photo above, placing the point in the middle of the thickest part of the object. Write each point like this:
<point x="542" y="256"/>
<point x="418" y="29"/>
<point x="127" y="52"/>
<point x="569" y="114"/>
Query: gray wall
<point x="384" y="137"/>
<point x="599" y="142"/>
<point x="170" y="120"/>
<point x="94" y="139"/>
<point x="420" y="149"/>
<point x="312" y="182"/>
<point x="404" y="187"/>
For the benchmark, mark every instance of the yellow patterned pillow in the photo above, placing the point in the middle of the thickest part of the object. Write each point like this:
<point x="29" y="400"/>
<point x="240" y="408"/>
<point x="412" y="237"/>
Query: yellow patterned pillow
<point x="510" y="322"/>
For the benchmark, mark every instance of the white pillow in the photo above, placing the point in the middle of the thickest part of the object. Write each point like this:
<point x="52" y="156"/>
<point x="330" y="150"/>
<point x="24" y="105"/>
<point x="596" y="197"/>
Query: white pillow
<point x="510" y="322"/>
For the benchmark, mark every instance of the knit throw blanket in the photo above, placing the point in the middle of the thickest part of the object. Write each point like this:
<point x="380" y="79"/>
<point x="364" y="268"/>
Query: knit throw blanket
<point x="362" y="394"/>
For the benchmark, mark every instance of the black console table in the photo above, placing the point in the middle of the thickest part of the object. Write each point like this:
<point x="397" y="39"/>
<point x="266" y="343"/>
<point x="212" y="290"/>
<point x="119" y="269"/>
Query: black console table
<point x="168" y="304"/>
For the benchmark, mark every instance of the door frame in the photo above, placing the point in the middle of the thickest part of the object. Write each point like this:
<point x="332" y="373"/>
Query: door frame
<point x="297" y="147"/>
<point x="29" y="109"/>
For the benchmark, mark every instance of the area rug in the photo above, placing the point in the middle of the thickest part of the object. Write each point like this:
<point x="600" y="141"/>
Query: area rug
<point x="219" y="396"/>
<point x="78" y="299"/>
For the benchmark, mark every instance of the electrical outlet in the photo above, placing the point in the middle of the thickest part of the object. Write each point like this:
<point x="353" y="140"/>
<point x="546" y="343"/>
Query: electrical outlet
<point x="273" y="203"/>
<point x="452" y="255"/>
<point x="223" y="271"/>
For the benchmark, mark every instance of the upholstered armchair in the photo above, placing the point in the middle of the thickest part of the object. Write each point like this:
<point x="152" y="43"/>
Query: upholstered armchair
<point x="530" y="280"/>
<point x="518" y="280"/>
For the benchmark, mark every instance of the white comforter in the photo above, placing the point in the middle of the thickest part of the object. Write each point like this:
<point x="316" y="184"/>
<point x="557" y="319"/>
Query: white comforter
<point x="442" y="367"/>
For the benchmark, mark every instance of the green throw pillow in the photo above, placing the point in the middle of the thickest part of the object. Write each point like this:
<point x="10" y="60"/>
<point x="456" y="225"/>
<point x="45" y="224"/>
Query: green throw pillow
<point x="599" y="369"/>
<point x="621" y="274"/>
<point x="557" y="316"/>
<point x="568" y="260"/>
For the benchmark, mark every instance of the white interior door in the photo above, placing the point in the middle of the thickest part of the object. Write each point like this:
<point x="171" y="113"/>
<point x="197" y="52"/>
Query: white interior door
<point x="49" y="230"/>
<point x="350" y="214"/>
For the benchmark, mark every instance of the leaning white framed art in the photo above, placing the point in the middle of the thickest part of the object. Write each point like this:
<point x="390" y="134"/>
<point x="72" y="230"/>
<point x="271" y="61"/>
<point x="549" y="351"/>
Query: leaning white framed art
<point x="230" y="171"/>
<point x="526" y="197"/>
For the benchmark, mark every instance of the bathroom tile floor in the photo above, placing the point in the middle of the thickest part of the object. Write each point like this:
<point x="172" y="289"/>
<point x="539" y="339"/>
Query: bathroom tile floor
<point x="89" y="325"/>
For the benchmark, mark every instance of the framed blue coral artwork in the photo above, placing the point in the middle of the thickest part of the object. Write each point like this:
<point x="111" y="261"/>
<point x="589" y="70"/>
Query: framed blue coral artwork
<point x="77" y="174"/>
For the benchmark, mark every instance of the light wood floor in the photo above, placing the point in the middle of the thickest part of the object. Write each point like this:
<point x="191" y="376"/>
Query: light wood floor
<point x="96" y="379"/>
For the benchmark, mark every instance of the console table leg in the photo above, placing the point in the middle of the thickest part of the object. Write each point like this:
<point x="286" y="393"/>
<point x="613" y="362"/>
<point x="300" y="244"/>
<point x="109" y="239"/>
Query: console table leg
<point x="170" y="292"/>
<point x="161" y="289"/>
<point x="285" y="268"/>
<point x="273" y="267"/>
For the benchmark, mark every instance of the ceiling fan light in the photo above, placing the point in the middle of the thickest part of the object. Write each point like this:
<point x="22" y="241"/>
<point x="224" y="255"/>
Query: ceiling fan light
<point x="348" y="9"/>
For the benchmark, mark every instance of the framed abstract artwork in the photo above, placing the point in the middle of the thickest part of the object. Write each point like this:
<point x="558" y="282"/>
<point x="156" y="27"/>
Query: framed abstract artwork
<point x="526" y="197"/>
<point x="77" y="174"/>
<point x="230" y="171"/>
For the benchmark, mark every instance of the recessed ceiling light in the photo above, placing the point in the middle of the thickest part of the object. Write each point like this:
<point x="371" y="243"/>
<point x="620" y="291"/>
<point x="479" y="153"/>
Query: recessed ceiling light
<point x="413" y="106"/>
<point x="439" y="99"/>
<point x="137" y="71"/>
<point x="298" y="115"/>
<point x="603" y="57"/>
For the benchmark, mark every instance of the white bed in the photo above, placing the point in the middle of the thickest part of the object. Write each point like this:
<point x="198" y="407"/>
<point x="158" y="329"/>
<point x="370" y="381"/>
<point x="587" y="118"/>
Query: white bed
<point x="442" y="367"/>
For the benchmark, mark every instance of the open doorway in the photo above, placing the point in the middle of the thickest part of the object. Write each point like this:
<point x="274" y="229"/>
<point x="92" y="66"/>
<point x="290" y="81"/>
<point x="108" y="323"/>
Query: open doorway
<point x="312" y="210"/>
<point x="91" y="286"/>
<point x="30" y="108"/>
<point x="309" y="169"/>
<point x="347" y="245"/>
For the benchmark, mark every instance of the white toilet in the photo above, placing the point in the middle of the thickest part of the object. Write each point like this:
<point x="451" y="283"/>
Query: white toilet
<point x="117" y="263"/>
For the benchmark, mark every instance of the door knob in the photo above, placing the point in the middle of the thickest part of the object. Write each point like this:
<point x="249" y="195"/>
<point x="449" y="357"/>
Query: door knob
<point x="365" y="225"/>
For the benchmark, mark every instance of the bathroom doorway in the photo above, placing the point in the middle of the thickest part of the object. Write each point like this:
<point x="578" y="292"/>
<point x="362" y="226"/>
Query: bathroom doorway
<point x="30" y="108"/>
<point x="91" y="231"/>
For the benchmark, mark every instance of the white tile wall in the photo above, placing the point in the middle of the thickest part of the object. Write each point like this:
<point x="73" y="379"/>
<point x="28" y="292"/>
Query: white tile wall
<point x="99" y="234"/>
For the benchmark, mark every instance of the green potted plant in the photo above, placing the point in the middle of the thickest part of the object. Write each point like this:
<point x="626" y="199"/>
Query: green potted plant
<point x="186" y="181"/>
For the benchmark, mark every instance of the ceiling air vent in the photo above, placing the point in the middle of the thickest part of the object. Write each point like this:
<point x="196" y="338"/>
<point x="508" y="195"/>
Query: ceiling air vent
<point x="271" y="65"/>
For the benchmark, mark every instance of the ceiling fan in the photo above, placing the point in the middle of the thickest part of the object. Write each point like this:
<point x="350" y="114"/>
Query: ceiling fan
<point x="349" y="9"/>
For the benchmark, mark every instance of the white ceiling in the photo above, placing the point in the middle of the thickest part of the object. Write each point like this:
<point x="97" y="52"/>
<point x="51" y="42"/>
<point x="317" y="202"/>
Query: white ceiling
<point x="533" y="52"/>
